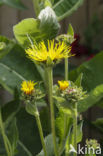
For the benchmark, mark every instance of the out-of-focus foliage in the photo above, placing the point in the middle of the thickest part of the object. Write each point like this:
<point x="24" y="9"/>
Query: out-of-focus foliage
<point x="13" y="3"/>
<point x="93" y="35"/>
<point x="92" y="81"/>
<point x="64" y="8"/>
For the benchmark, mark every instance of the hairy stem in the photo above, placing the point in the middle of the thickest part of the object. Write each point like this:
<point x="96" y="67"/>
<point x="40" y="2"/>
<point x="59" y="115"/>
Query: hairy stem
<point x="66" y="69"/>
<point x="65" y="117"/>
<point x="5" y="139"/>
<point x="50" y="90"/>
<point x="75" y="128"/>
<point x="40" y="131"/>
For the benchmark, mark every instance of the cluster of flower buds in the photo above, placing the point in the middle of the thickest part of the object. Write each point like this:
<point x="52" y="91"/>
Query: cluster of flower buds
<point x="73" y="93"/>
<point x="68" y="94"/>
<point x="92" y="143"/>
<point x="70" y="91"/>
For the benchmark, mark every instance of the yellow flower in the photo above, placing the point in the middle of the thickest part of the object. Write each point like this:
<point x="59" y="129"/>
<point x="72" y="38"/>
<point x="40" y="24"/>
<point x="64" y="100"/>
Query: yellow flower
<point x="63" y="85"/>
<point x="28" y="87"/>
<point x="54" y="51"/>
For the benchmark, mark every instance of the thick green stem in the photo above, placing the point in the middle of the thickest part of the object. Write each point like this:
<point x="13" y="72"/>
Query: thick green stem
<point x="65" y="117"/>
<point x="75" y="128"/>
<point x="50" y="97"/>
<point x="46" y="81"/>
<point x="4" y="136"/>
<point x="66" y="69"/>
<point x="40" y="131"/>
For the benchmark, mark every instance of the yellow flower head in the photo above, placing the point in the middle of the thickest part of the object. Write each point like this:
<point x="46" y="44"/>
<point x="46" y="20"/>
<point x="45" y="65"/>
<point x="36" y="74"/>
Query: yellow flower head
<point x="54" y="51"/>
<point x="63" y="85"/>
<point x="28" y="87"/>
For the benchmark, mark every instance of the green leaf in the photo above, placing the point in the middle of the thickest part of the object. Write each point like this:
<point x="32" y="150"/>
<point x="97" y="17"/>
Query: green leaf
<point x="63" y="127"/>
<point x="47" y="3"/>
<point x="5" y="46"/>
<point x="22" y="150"/>
<point x="13" y="3"/>
<point x="92" y="81"/>
<point x="93" y="97"/>
<point x="61" y="103"/>
<point x="79" y="80"/>
<point x="45" y="120"/>
<point x="28" y="132"/>
<point x="9" y="112"/>
<point x="70" y="30"/>
<point x="37" y="29"/>
<point x="99" y="124"/>
<point x="2" y="148"/>
<point x="13" y="135"/>
<point x="49" y="146"/>
<point x="79" y="133"/>
<point x="27" y="27"/>
<point x="15" y="67"/>
<point x="70" y="140"/>
<point x="92" y="72"/>
<point x="64" y="8"/>
<point x="100" y="103"/>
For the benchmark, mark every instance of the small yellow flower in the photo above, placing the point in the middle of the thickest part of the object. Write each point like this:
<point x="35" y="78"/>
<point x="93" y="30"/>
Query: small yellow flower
<point x="54" y="51"/>
<point x="28" y="87"/>
<point x="63" y="85"/>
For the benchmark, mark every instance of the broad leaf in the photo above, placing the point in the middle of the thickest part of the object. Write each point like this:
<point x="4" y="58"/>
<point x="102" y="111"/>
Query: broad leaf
<point x="92" y="81"/>
<point x="45" y="120"/>
<point x="79" y="133"/>
<point x="28" y="131"/>
<point x="100" y="104"/>
<point x="99" y="124"/>
<point x="60" y="124"/>
<point x="27" y="27"/>
<point x="92" y="72"/>
<point x="2" y="148"/>
<point x="15" y="67"/>
<point x="63" y="128"/>
<point x="13" y="135"/>
<point x="93" y="97"/>
<point x="31" y="138"/>
<point x="22" y="150"/>
<point x="79" y="80"/>
<point x="49" y="146"/>
<point x="70" y="140"/>
<point x="64" y="8"/>
<point x="37" y="29"/>
<point x="9" y="112"/>
<point x="13" y="3"/>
